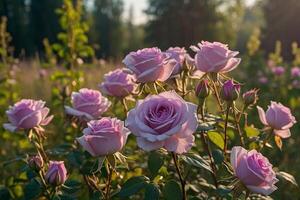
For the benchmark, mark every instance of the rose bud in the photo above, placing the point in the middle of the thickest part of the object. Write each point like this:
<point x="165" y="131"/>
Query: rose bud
<point x="150" y="64"/>
<point x="165" y="121"/>
<point x="27" y="114"/>
<point x="56" y="174"/>
<point x="118" y="83"/>
<point x="253" y="170"/>
<point x="104" y="137"/>
<point x="36" y="162"/>
<point x="87" y="104"/>
<point x="215" y="57"/>
<point x="250" y="97"/>
<point x="202" y="89"/>
<point x="278" y="117"/>
<point x="230" y="91"/>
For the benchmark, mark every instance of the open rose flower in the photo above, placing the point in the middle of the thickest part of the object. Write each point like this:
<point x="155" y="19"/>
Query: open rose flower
<point x="278" y="117"/>
<point x="27" y="114"/>
<point x="215" y="57"/>
<point x="87" y="104"/>
<point x="178" y="54"/>
<point x="253" y="170"/>
<point x="56" y="174"/>
<point x="278" y="71"/>
<point x="118" y="83"/>
<point x="295" y="72"/>
<point x="103" y="137"/>
<point x="164" y="120"/>
<point x="150" y="64"/>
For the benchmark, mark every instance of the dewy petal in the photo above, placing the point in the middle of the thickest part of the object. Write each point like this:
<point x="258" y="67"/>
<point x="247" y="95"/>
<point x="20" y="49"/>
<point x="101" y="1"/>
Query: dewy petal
<point x="265" y="189"/>
<point x="147" y="145"/>
<point x="179" y="145"/>
<point x="283" y="133"/>
<point x="262" y="115"/>
<point x="236" y="153"/>
<point x="10" y="127"/>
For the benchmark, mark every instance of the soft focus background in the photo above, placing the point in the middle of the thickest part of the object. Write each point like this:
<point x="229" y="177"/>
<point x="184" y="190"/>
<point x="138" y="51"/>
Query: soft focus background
<point x="266" y="32"/>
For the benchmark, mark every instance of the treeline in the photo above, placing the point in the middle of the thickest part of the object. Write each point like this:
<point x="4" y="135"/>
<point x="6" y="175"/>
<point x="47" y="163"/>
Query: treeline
<point x="171" y="23"/>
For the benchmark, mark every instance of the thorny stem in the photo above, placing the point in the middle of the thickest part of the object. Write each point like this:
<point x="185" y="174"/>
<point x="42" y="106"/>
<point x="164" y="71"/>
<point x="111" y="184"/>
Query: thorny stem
<point x="225" y="129"/>
<point x="207" y="149"/>
<point x="238" y="127"/>
<point x="182" y="181"/>
<point x="108" y="182"/>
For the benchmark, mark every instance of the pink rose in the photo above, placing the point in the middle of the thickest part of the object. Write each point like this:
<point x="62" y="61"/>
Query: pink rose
<point x="118" y="83"/>
<point x="150" y="64"/>
<point x="178" y="54"/>
<point x="163" y="120"/>
<point x="215" y="57"/>
<point x="253" y="170"/>
<point x="278" y="71"/>
<point x="27" y="114"/>
<point x="103" y="137"/>
<point x="230" y="91"/>
<point x="279" y="118"/>
<point x="88" y="104"/>
<point x="57" y="173"/>
<point x="295" y="72"/>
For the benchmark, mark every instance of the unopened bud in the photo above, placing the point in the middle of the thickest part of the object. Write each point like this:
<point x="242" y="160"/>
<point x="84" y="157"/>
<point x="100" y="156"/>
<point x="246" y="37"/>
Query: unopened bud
<point x="202" y="89"/>
<point x="250" y="97"/>
<point x="36" y="163"/>
<point x="230" y="91"/>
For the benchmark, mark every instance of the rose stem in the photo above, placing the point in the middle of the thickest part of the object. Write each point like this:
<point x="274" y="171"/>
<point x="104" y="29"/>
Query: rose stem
<point x="225" y="129"/>
<point x="207" y="149"/>
<point x="183" y="84"/>
<point x="267" y="138"/>
<point x="108" y="182"/>
<point x="238" y="127"/>
<point x="123" y="101"/>
<point x="217" y="95"/>
<point x="182" y="182"/>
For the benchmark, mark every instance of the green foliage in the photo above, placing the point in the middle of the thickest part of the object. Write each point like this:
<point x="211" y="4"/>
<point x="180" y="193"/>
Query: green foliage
<point x="172" y="191"/>
<point x="133" y="185"/>
<point x="216" y="138"/>
<point x="155" y="162"/>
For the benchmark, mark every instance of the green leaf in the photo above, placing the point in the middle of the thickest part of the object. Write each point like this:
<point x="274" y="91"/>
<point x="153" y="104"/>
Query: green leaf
<point x="197" y="161"/>
<point x="288" y="177"/>
<point x="151" y="192"/>
<point x="133" y="185"/>
<point x="216" y="138"/>
<point x="155" y="162"/>
<point x="172" y="191"/>
<point x="32" y="189"/>
<point x="218" y="156"/>
<point x="251" y="131"/>
<point x="4" y="193"/>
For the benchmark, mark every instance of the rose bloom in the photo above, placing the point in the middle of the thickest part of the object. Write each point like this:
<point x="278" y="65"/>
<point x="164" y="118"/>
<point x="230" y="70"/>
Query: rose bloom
<point x="150" y="64"/>
<point x="27" y="114"/>
<point x="295" y="72"/>
<point x="57" y="173"/>
<point x="178" y="54"/>
<point x="103" y="137"/>
<point x="118" y="83"/>
<point x="87" y="104"/>
<point x="278" y="71"/>
<point x="215" y="57"/>
<point x="278" y="117"/>
<point x="253" y="170"/>
<point x="164" y="120"/>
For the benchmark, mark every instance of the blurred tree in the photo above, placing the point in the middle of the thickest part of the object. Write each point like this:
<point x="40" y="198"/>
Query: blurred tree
<point x="106" y="29"/>
<point x="44" y="22"/>
<point x="282" y="23"/>
<point x="182" y="23"/>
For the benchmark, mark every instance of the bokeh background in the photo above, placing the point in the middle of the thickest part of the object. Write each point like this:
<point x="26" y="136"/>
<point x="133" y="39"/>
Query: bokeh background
<point x="266" y="32"/>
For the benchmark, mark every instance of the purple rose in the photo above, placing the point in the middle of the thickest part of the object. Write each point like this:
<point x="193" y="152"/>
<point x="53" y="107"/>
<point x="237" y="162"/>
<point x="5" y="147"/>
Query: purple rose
<point x="88" y="104"/>
<point x="178" y="54"/>
<point x="27" y="114"/>
<point x="118" y="83"/>
<point x="279" y="118"/>
<point x="163" y="120"/>
<point x="150" y="64"/>
<point x="56" y="174"/>
<point x="253" y="170"/>
<point x="215" y="57"/>
<point x="202" y="89"/>
<point x="103" y="137"/>
<point x="230" y="91"/>
<point x="295" y="72"/>
<point x="278" y="71"/>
